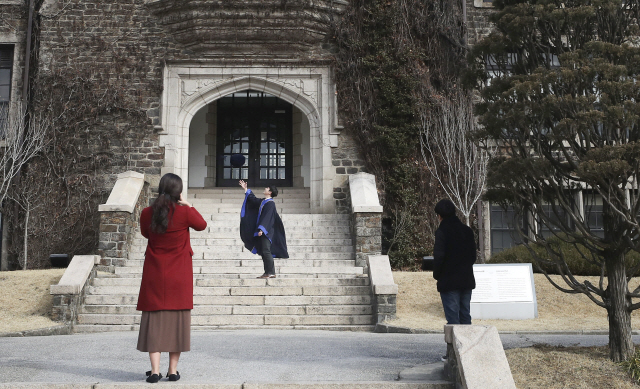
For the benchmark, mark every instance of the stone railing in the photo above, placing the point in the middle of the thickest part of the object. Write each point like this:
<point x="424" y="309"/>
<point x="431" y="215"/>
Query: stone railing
<point x="68" y="294"/>
<point x="367" y="232"/>
<point x="366" y="213"/>
<point x="120" y="217"/>
<point x="383" y="287"/>
<point x="476" y="358"/>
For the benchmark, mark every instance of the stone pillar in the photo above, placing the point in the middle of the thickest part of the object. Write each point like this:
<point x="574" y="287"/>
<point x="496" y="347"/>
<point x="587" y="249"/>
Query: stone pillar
<point x="367" y="230"/>
<point x="119" y="218"/>
<point x="366" y="217"/>
<point x="211" y="139"/>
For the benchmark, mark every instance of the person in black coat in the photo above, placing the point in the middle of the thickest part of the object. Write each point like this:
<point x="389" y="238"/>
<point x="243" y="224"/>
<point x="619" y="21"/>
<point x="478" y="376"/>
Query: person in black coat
<point x="261" y="228"/>
<point x="454" y="254"/>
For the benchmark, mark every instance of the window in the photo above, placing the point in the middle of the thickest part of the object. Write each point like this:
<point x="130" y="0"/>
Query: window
<point x="593" y="213"/>
<point x="6" y="67"/>
<point x="503" y="232"/>
<point x="555" y="220"/>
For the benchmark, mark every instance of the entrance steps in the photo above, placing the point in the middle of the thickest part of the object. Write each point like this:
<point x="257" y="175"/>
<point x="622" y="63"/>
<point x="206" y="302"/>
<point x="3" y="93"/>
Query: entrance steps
<point x="318" y="287"/>
<point x="229" y="200"/>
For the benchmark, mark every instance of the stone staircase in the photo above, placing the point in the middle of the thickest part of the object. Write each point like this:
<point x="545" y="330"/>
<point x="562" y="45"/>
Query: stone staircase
<point x="318" y="287"/>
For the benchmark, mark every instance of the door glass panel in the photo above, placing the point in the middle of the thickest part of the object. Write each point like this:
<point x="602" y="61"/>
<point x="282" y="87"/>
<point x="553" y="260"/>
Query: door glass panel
<point x="249" y="125"/>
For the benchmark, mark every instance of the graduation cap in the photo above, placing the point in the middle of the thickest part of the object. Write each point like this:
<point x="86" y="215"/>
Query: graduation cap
<point x="237" y="160"/>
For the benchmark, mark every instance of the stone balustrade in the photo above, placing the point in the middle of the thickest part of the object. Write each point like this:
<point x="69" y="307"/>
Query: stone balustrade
<point x="119" y="217"/>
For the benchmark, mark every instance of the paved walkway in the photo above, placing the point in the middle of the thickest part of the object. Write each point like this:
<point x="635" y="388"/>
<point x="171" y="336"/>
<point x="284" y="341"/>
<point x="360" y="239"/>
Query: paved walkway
<point x="236" y="357"/>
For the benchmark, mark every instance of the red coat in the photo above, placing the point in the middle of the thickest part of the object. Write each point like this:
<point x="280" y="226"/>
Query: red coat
<point x="167" y="275"/>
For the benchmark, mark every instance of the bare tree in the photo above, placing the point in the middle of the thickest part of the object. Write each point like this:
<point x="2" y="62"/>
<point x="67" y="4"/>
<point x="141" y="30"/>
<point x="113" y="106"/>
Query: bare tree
<point x="450" y="153"/>
<point x="28" y="200"/>
<point x="20" y="141"/>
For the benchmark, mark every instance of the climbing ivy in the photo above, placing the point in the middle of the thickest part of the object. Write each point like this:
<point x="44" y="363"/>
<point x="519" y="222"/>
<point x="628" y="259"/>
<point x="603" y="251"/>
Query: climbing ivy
<point x="393" y="59"/>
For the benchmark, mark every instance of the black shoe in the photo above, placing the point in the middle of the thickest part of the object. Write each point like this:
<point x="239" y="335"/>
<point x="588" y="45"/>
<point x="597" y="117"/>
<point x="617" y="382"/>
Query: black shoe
<point x="444" y="358"/>
<point x="173" y="377"/>
<point x="153" y="378"/>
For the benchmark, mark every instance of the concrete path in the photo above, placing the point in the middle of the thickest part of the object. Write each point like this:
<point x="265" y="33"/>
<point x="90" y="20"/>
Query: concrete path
<point x="236" y="357"/>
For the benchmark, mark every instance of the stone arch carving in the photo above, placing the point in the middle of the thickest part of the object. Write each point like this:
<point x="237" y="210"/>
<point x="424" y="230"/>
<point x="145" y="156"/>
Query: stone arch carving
<point x="225" y="87"/>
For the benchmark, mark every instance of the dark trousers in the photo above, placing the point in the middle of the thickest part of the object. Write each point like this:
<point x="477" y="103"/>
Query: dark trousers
<point x="267" y="257"/>
<point x="457" y="306"/>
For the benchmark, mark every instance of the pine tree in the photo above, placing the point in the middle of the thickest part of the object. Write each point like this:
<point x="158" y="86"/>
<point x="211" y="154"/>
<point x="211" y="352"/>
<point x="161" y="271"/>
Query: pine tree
<point x="560" y="95"/>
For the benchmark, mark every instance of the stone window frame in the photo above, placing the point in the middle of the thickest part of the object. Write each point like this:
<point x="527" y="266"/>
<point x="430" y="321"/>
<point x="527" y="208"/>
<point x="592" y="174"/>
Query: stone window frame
<point x="16" y="72"/>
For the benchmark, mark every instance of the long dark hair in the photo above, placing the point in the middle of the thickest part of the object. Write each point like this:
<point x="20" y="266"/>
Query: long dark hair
<point x="168" y="195"/>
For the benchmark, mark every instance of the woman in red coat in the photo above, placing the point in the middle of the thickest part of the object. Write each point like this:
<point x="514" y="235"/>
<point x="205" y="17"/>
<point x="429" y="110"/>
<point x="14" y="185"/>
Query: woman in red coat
<point x="166" y="292"/>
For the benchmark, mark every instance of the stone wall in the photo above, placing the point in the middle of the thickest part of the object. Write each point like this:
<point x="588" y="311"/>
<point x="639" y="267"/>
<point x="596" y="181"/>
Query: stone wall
<point x="346" y="160"/>
<point x="478" y="24"/>
<point x="367" y="231"/>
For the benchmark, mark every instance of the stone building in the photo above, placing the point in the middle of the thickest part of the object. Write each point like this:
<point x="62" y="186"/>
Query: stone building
<point x="213" y="79"/>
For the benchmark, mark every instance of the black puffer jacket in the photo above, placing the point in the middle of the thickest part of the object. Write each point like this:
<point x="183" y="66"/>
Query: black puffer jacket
<point x="454" y="254"/>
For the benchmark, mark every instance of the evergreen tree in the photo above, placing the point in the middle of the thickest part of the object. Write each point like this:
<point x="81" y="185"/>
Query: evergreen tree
<point x="561" y="98"/>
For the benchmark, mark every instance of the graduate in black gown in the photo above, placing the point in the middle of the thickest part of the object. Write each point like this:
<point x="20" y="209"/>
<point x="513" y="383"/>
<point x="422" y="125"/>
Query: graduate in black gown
<point x="261" y="228"/>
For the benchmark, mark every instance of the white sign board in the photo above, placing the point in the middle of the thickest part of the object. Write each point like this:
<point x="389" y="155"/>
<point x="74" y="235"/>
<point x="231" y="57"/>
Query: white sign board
<point x="504" y="291"/>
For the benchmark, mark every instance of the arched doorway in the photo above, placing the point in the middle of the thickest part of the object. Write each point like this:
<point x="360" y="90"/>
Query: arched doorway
<point x="269" y="133"/>
<point x="257" y="126"/>
<point x="310" y="91"/>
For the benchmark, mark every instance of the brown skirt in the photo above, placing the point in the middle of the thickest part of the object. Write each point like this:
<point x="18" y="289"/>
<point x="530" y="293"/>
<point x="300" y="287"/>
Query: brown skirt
<point x="165" y="331"/>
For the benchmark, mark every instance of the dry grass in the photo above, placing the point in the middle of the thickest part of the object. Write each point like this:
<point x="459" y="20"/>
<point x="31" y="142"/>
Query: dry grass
<point x="25" y="302"/>
<point x="566" y="368"/>
<point x="419" y="306"/>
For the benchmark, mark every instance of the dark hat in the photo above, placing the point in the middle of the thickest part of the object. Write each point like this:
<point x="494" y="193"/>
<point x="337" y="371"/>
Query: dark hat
<point x="445" y="208"/>
<point x="237" y="160"/>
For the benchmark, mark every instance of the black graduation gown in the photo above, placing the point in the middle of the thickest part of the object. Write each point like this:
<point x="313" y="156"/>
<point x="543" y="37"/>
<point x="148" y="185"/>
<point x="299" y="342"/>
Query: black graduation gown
<point x="254" y="219"/>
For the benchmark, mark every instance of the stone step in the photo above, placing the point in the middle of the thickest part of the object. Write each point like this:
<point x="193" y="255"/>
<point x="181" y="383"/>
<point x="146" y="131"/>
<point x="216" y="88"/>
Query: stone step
<point x="238" y="189"/>
<point x="303" y="217"/>
<point x="245" y="254"/>
<point x="239" y="196"/>
<point x="247" y="290"/>
<point x="236" y="212"/>
<point x="334" y="232"/>
<point x="293" y="250"/>
<point x="235" y="242"/>
<point x="197" y="201"/>
<point x="280" y="270"/>
<point x="132" y="299"/>
<point x="205" y="310"/>
<point x="79" y="328"/>
<point x="260" y="320"/>
<point x="257" y="262"/>
<point x="319" y="225"/>
<point x="359" y="281"/>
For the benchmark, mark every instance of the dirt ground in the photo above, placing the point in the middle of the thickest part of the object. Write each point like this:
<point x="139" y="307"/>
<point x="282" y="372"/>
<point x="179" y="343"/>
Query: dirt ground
<point x="564" y="368"/>
<point x="25" y="302"/>
<point x="419" y="306"/>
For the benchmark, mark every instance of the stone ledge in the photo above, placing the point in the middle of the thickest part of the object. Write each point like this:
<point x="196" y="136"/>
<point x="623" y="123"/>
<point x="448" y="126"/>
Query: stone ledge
<point x="476" y="358"/>
<point x="76" y="275"/>
<point x="380" y="275"/>
<point x="55" y="330"/>
<point x="125" y="193"/>
<point x="364" y="194"/>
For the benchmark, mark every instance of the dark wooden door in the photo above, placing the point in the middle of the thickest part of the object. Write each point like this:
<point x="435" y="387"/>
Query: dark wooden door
<point x="259" y="127"/>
